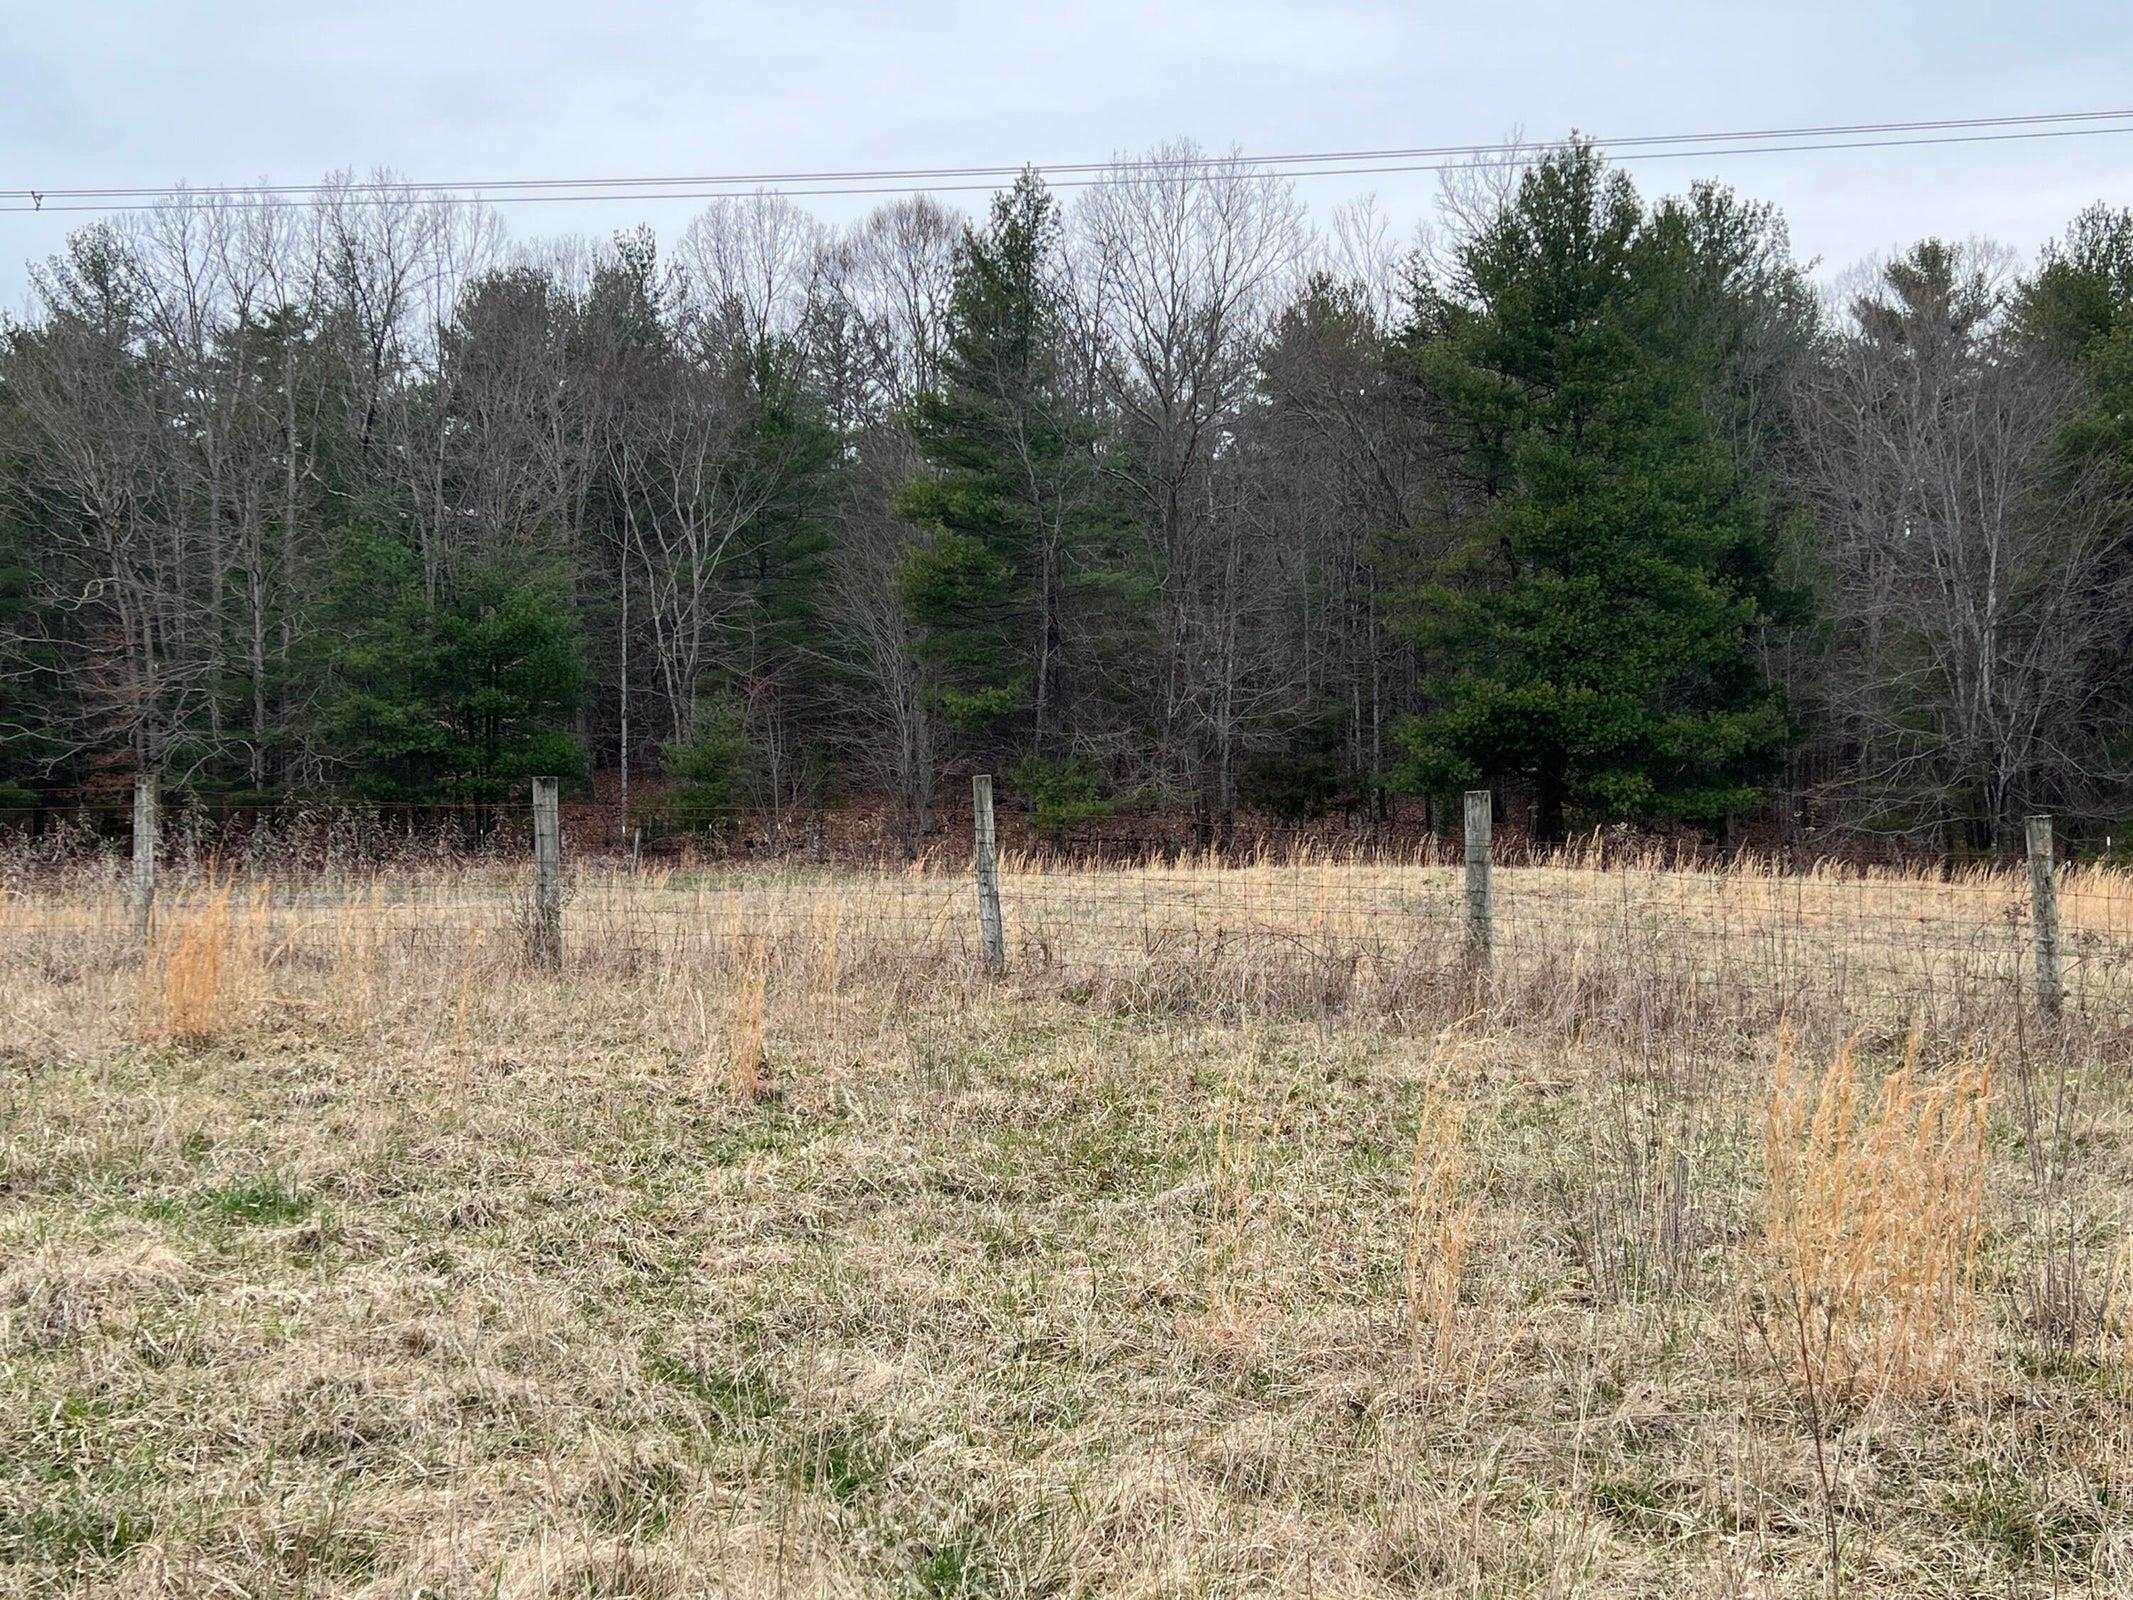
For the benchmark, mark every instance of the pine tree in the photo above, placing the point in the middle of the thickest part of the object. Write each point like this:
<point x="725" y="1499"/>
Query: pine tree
<point x="455" y="701"/>
<point x="1595" y="644"/>
<point x="2079" y="307"/>
<point x="1002" y="508"/>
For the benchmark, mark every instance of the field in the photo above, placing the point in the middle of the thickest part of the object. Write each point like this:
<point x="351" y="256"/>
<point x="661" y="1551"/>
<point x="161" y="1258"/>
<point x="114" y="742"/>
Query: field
<point x="1738" y="1234"/>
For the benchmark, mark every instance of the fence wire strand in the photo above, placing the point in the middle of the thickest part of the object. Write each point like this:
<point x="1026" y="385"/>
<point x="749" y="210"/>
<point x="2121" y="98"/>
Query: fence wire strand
<point x="1312" y="919"/>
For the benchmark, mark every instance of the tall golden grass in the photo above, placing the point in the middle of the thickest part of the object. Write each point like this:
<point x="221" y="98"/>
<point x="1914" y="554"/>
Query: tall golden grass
<point x="746" y="1062"/>
<point x="201" y="973"/>
<point x="1440" y="1222"/>
<point x="1579" y="938"/>
<point x="1872" y="1222"/>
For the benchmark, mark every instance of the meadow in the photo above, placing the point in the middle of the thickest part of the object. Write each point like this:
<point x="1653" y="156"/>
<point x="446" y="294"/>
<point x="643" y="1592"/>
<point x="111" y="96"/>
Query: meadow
<point x="1736" y="1233"/>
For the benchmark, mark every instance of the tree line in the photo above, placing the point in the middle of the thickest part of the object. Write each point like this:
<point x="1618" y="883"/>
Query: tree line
<point x="1159" y="496"/>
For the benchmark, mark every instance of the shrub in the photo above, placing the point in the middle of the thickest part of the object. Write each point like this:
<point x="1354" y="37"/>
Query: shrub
<point x="1063" y="795"/>
<point x="709" y="770"/>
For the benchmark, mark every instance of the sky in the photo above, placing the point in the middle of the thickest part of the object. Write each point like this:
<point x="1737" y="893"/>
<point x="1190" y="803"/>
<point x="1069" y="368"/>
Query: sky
<point x="213" y="92"/>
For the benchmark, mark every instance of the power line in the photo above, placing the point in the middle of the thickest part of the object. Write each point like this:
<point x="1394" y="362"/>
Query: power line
<point x="924" y="174"/>
<point x="551" y="190"/>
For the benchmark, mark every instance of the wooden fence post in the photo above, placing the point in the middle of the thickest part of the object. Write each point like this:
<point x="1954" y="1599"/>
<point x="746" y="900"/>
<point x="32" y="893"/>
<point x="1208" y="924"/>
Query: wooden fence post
<point x="992" y="933"/>
<point x="2044" y="915"/>
<point x="145" y="797"/>
<point x="1480" y="895"/>
<point x="546" y="936"/>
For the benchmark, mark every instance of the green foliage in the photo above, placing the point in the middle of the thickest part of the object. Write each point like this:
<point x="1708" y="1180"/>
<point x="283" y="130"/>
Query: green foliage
<point x="2103" y="429"/>
<point x="2080" y="307"/>
<point x="1300" y="782"/>
<point x="1596" y="642"/>
<point x="709" y="770"/>
<point x="1063" y="795"/>
<point x="2083" y="291"/>
<point x="787" y="475"/>
<point x="1292" y="786"/>
<point x="1003" y="507"/>
<point x="957" y="587"/>
<point x="461" y="698"/>
<point x="1305" y="775"/>
<point x="38" y="692"/>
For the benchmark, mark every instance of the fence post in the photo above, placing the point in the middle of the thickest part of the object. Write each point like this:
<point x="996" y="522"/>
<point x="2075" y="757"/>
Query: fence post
<point x="145" y="797"/>
<point x="991" y="932"/>
<point x="547" y="931"/>
<point x="1480" y="896"/>
<point x="2044" y="915"/>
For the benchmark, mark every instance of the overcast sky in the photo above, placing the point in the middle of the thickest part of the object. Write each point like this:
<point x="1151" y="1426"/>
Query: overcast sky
<point x="222" y="91"/>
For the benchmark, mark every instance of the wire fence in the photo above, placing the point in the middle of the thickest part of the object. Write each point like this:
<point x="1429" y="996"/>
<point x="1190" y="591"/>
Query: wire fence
<point x="1313" y="918"/>
<point x="237" y="832"/>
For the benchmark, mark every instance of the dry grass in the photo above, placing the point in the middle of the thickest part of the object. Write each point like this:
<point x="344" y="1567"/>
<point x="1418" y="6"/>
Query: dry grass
<point x="1221" y="1264"/>
<point x="1243" y="1279"/>
<point x="745" y="1025"/>
<point x="1574" y="936"/>
<point x="1872" y="1216"/>
<point x="2114" y="1332"/>
<point x="185" y="998"/>
<point x="1440" y="1223"/>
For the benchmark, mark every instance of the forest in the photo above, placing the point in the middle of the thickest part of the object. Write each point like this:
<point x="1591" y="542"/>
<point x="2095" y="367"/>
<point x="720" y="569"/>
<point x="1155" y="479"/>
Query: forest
<point x="1151" y="492"/>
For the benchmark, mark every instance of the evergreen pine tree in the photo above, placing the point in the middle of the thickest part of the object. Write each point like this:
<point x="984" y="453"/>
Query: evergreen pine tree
<point x="1597" y="642"/>
<point x="988" y="585"/>
<point x="459" y="700"/>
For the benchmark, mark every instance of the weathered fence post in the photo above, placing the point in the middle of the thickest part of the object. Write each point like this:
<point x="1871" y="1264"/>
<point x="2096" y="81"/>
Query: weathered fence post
<point x="1480" y="897"/>
<point x="546" y="935"/>
<point x="992" y="932"/>
<point x="2044" y="915"/>
<point x="145" y="797"/>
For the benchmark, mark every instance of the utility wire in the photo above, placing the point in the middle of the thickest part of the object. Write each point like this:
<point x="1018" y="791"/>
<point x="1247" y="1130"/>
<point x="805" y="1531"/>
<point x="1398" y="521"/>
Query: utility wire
<point x="1229" y="168"/>
<point x="920" y="174"/>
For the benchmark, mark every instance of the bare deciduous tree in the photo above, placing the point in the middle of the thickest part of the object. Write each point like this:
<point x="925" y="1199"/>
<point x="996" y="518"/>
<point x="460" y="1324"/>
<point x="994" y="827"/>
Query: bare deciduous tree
<point x="1180" y="262"/>
<point x="1968" y="567"/>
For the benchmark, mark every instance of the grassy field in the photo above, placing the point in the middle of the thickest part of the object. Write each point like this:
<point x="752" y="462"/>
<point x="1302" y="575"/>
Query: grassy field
<point x="769" y="1250"/>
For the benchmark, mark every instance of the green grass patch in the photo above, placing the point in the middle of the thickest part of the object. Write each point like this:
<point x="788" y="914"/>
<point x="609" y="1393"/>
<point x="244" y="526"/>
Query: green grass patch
<point x="734" y="1396"/>
<point x="71" y="1530"/>
<point x="2022" y="1518"/>
<point x="259" y="1203"/>
<point x="843" y="1460"/>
